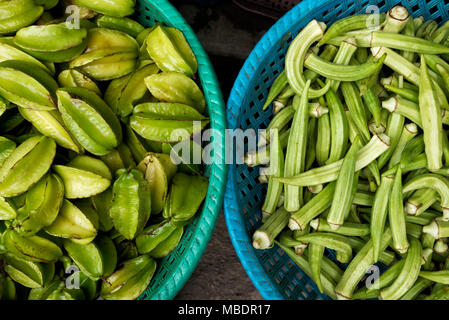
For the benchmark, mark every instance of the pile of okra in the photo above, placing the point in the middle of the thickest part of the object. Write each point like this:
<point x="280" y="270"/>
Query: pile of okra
<point x="356" y="157"/>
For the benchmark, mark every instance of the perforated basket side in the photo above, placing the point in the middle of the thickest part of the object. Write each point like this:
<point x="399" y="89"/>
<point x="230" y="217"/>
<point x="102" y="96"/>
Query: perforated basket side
<point x="272" y="272"/>
<point x="175" y="269"/>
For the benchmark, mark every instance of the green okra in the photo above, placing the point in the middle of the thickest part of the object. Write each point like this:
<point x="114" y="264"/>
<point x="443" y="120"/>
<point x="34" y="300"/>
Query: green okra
<point x="294" y="61"/>
<point x="396" y="19"/>
<point x="315" y="256"/>
<point x="300" y="219"/>
<point x="356" y="109"/>
<point x="394" y="131"/>
<point x="423" y="219"/>
<point x="264" y="237"/>
<point x="409" y="131"/>
<point x="397" y="215"/>
<point x="358" y="267"/>
<point x="345" y="188"/>
<point x="343" y="57"/>
<point x="408" y="274"/>
<point x="328" y="173"/>
<point x="435" y="182"/>
<point x="311" y="143"/>
<point x="404" y="107"/>
<point x="339" y="128"/>
<point x="275" y="188"/>
<point x="362" y="198"/>
<point x="379" y="213"/>
<point x="441" y="276"/>
<point x="437" y="229"/>
<point x="404" y="92"/>
<point x="340" y="72"/>
<point x="420" y="201"/>
<point x="347" y="229"/>
<point x="279" y="84"/>
<point x="328" y="54"/>
<point x="385" y="257"/>
<point x="387" y="277"/>
<point x="351" y="23"/>
<point x="431" y="119"/>
<point x="327" y="282"/>
<point x="296" y="151"/>
<point x="373" y="104"/>
<point x="335" y="242"/>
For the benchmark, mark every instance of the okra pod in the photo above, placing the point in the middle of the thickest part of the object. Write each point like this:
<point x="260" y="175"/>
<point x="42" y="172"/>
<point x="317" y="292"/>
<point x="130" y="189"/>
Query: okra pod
<point x="356" y="109"/>
<point x="404" y="107"/>
<point x="420" y="285"/>
<point x="294" y="60"/>
<point x="373" y="104"/>
<point x="409" y="29"/>
<point x="350" y="23"/>
<point x="408" y="94"/>
<point x="339" y="129"/>
<point x="368" y="153"/>
<point x="363" y="199"/>
<point x="396" y="19"/>
<point x="397" y="215"/>
<point x="379" y="213"/>
<point x="358" y="267"/>
<point x="275" y="188"/>
<point x="332" y="241"/>
<point x="394" y="131"/>
<point x="407" y="276"/>
<point x="328" y="54"/>
<point x="407" y="43"/>
<point x="345" y="52"/>
<point x="423" y="219"/>
<point x="345" y="188"/>
<point x="296" y="150"/>
<point x="387" y="278"/>
<point x="340" y="72"/>
<point x="420" y="201"/>
<point x="300" y="219"/>
<point x="431" y="120"/>
<point x="263" y="238"/>
<point x="347" y="229"/>
<point x="386" y="257"/>
<point x="323" y="143"/>
<point x="437" y="229"/>
<point x="279" y="84"/>
<point x="315" y="255"/>
<point x="327" y="282"/>
<point x="441" y="276"/>
<point x="435" y="182"/>
<point x="408" y="133"/>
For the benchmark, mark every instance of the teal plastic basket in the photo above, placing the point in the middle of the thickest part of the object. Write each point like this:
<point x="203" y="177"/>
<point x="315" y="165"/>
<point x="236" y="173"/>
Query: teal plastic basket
<point x="273" y="273"/>
<point x="175" y="269"/>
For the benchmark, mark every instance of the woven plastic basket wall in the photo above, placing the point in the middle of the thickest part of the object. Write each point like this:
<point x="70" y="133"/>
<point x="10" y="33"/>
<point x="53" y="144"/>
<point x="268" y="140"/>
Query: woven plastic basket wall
<point x="176" y="268"/>
<point x="272" y="272"/>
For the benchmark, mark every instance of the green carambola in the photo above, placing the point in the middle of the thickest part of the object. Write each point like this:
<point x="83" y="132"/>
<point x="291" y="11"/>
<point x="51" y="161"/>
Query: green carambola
<point x="131" y="203"/>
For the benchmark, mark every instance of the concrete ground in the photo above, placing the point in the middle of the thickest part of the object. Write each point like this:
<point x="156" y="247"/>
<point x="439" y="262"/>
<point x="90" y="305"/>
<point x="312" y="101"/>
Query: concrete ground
<point x="228" y="33"/>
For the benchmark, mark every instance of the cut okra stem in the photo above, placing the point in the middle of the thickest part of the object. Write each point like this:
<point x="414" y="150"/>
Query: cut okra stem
<point x="263" y="238"/>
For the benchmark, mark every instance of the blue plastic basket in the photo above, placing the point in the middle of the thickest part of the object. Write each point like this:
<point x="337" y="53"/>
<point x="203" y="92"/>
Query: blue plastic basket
<point x="272" y="272"/>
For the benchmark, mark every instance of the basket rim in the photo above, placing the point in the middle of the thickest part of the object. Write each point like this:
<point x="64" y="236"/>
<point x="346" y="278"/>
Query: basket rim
<point x="234" y="219"/>
<point x="205" y="226"/>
